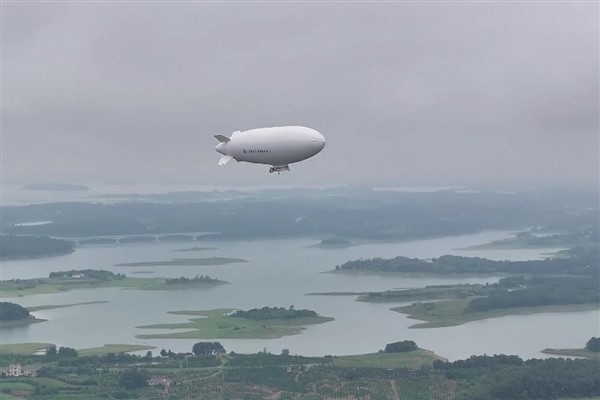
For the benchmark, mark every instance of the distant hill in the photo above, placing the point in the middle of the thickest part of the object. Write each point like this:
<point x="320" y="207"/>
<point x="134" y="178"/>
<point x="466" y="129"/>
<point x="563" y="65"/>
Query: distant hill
<point x="55" y="187"/>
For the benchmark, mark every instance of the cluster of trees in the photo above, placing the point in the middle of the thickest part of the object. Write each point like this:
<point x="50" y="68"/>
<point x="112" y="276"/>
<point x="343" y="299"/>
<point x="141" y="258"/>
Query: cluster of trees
<point x="485" y="361"/>
<point x="13" y="246"/>
<point x="266" y="359"/>
<point x="12" y="312"/>
<point x="98" y="274"/>
<point x="208" y="349"/>
<point x="540" y="291"/>
<point x="583" y="262"/>
<point x="183" y="280"/>
<point x="593" y="344"/>
<point x="502" y="377"/>
<point x="558" y="239"/>
<point x="274" y="313"/>
<point x="62" y="352"/>
<point x="400" y="347"/>
<point x="133" y="378"/>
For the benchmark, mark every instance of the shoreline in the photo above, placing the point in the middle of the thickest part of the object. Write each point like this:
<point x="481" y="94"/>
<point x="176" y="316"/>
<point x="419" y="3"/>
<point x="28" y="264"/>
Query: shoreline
<point x="436" y="321"/>
<point x="579" y="353"/>
<point x="21" y="322"/>
<point x="35" y="257"/>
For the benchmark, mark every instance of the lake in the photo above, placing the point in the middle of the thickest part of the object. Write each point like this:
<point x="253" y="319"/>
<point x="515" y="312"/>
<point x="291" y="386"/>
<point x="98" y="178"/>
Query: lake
<point x="281" y="273"/>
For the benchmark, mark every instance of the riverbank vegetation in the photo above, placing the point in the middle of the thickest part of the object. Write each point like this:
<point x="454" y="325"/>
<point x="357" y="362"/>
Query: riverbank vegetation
<point x="591" y="350"/>
<point x="227" y="324"/>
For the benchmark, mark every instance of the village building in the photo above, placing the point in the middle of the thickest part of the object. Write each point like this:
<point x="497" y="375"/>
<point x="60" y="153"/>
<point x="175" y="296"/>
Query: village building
<point x="158" y="381"/>
<point x="18" y="370"/>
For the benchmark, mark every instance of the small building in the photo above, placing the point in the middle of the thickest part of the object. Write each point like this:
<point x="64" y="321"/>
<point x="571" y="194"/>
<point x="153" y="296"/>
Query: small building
<point x="14" y="370"/>
<point x="18" y="370"/>
<point x="158" y="381"/>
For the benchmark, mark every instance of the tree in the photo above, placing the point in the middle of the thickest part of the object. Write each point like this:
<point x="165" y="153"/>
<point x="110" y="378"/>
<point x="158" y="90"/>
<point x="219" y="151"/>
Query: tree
<point x="163" y="353"/>
<point x="51" y="351"/>
<point x="208" y="348"/>
<point x="133" y="379"/>
<point x="401" y="347"/>
<point x="593" y="344"/>
<point x="65" y="352"/>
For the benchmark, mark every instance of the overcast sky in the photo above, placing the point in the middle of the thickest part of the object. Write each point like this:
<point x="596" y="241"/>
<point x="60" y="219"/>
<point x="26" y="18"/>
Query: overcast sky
<point x="405" y="93"/>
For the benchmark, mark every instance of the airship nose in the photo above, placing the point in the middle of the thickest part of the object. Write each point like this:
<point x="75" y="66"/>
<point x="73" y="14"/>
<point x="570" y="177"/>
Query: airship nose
<point x="322" y="140"/>
<point x="319" y="139"/>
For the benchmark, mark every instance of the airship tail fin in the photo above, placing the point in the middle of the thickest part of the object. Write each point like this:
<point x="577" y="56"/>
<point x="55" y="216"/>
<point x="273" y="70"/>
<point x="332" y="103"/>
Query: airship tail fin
<point x="222" y="139"/>
<point x="225" y="159"/>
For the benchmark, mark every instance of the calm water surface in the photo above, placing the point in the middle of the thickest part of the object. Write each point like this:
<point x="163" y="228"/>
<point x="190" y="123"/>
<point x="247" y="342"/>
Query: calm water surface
<point x="281" y="273"/>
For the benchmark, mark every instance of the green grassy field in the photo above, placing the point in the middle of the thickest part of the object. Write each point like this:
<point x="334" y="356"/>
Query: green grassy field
<point x="23" y="348"/>
<point x="113" y="348"/>
<point x="18" y="385"/>
<point x="31" y="348"/>
<point x="215" y="324"/>
<point x="411" y="359"/>
<point x="452" y="312"/>
<point x="10" y="289"/>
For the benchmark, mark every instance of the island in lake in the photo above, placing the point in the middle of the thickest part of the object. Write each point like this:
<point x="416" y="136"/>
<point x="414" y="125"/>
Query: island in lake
<point x="262" y="323"/>
<point x="63" y="281"/>
<point x="334" y="243"/>
<point x="185" y="262"/>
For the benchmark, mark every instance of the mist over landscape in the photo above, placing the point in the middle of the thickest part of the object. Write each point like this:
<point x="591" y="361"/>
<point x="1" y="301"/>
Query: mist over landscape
<point x="444" y="245"/>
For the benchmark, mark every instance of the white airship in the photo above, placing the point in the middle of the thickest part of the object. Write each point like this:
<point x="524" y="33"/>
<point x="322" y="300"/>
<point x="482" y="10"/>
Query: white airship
<point x="277" y="147"/>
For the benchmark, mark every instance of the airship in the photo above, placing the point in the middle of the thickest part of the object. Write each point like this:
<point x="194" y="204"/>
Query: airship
<point x="277" y="146"/>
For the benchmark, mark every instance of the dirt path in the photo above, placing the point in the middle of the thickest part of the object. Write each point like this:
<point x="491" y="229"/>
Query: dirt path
<point x="395" y="389"/>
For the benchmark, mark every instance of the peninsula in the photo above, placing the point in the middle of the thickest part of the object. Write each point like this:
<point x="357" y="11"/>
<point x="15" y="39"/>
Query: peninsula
<point x="62" y="281"/>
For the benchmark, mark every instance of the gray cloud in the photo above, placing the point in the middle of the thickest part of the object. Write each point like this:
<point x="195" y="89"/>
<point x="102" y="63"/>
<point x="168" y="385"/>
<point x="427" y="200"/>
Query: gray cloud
<point x="406" y="93"/>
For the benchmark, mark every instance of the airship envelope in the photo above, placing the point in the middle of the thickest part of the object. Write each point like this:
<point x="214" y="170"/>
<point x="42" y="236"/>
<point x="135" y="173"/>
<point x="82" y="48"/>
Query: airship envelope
<point x="277" y="147"/>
